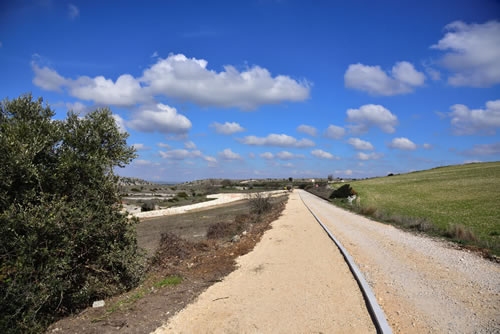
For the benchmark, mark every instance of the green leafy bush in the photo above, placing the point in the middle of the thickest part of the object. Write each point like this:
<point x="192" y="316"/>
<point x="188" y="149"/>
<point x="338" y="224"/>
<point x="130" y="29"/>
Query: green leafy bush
<point x="343" y="192"/>
<point x="63" y="241"/>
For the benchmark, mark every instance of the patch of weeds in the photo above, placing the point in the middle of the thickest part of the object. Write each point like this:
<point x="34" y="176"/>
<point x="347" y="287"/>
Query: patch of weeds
<point x="460" y="232"/>
<point x="171" y="280"/>
<point x="260" y="203"/>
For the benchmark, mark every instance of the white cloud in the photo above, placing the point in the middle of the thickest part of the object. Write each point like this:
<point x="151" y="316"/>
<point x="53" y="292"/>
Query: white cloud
<point x="155" y="54"/>
<point x="347" y="172"/>
<point x="375" y="81"/>
<point x="279" y="140"/>
<point x="467" y="121"/>
<point x="307" y="129"/>
<point x="189" y="145"/>
<point x="161" y="118"/>
<point x="77" y="107"/>
<point x="182" y="78"/>
<point x="473" y="53"/>
<point x="472" y="161"/>
<point x="402" y="143"/>
<point x="335" y="132"/>
<point x="140" y="162"/>
<point x="73" y="11"/>
<point x="370" y="115"/>
<point x="227" y="154"/>
<point x="285" y="155"/>
<point x="180" y="154"/>
<point x="369" y="156"/>
<point x="427" y="146"/>
<point x="434" y="74"/>
<point x="267" y="155"/>
<point x="227" y="128"/>
<point x="360" y="144"/>
<point x="189" y="79"/>
<point x="323" y="155"/>
<point x="209" y="159"/>
<point x="251" y="155"/>
<point x="125" y="91"/>
<point x="163" y="145"/>
<point x="484" y="149"/>
<point x="47" y="79"/>
<point x="141" y="147"/>
<point x="120" y="123"/>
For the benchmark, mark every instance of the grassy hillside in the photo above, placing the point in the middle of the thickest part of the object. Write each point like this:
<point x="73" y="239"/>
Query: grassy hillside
<point x="467" y="195"/>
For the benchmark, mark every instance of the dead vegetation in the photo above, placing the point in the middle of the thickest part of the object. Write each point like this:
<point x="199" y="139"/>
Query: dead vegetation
<point x="193" y="264"/>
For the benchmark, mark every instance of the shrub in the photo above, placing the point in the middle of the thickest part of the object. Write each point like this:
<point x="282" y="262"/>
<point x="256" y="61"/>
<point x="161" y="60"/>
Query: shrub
<point x="148" y="206"/>
<point x="343" y="192"/>
<point x="64" y="242"/>
<point x="260" y="203"/>
<point x="182" y="194"/>
<point x="460" y="232"/>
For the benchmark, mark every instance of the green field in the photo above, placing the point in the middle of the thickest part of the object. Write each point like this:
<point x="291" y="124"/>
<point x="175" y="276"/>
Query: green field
<point x="467" y="195"/>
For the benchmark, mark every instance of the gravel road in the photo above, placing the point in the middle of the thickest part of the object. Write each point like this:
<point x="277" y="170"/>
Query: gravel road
<point x="294" y="281"/>
<point x="423" y="285"/>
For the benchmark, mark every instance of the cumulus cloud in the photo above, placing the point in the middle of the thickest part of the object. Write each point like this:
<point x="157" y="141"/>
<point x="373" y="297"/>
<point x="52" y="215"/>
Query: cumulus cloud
<point x="335" y="132"/>
<point x="347" y="172"/>
<point x="77" y="107"/>
<point x="182" y="78"/>
<point x="360" y="144"/>
<point x="160" y="118"/>
<point x="372" y="79"/>
<point x="189" y="145"/>
<point x="473" y="53"/>
<point x="323" y="154"/>
<point x="47" y="78"/>
<point x="73" y="11"/>
<point x="285" y="155"/>
<point x="370" y="115"/>
<point x="180" y="154"/>
<point x="140" y="162"/>
<point x="120" y="123"/>
<point x="307" y="129"/>
<point x="369" y="156"/>
<point x="227" y="128"/>
<point x="209" y="159"/>
<point x="267" y="155"/>
<point x="402" y="143"/>
<point x="467" y="121"/>
<point x="279" y="140"/>
<point x="227" y="154"/>
<point x="483" y="149"/>
<point x="141" y="147"/>
<point x="163" y="145"/>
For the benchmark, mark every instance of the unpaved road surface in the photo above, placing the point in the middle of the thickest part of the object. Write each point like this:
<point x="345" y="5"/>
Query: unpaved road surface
<point x="294" y="281"/>
<point x="423" y="285"/>
<point x="217" y="199"/>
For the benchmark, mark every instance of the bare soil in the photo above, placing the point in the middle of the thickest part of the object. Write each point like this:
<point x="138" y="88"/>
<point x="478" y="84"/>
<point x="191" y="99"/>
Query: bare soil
<point x="294" y="281"/>
<point x="178" y="247"/>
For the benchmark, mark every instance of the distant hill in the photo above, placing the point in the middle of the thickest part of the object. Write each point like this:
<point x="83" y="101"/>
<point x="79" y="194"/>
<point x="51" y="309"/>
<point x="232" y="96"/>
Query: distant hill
<point x="133" y="181"/>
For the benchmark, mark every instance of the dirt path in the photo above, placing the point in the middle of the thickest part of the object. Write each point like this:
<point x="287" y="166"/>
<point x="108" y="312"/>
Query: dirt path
<point x="294" y="281"/>
<point x="423" y="285"/>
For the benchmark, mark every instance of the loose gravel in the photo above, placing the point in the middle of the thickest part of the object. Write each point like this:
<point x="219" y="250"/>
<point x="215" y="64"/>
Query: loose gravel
<point x="424" y="285"/>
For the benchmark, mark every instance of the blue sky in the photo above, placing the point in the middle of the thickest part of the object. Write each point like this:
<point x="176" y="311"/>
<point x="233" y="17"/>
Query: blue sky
<point x="257" y="89"/>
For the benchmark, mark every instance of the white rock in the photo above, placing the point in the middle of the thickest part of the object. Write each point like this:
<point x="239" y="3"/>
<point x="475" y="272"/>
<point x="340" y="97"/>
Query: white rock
<point x="98" y="303"/>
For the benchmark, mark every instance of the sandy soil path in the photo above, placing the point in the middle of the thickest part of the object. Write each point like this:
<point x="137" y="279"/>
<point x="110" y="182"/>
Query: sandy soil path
<point x="423" y="285"/>
<point x="294" y="281"/>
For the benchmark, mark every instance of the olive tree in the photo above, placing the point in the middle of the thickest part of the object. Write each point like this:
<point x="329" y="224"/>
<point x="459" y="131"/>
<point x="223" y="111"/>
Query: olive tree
<point x="63" y="240"/>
